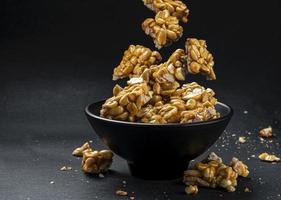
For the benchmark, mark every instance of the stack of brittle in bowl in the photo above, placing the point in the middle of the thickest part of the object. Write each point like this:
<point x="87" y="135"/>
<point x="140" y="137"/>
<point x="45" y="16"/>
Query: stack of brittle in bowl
<point x="154" y="93"/>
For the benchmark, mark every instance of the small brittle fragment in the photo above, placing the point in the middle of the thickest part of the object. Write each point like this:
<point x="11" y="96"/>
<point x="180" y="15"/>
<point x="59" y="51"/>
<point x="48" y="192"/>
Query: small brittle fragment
<point x="268" y="157"/>
<point x="121" y="193"/>
<point x="266" y="132"/>
<point x="191" y="189"/>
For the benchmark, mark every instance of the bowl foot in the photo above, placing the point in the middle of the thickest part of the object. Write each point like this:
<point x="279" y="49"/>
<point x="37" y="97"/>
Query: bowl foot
<point x="149" y="171"/>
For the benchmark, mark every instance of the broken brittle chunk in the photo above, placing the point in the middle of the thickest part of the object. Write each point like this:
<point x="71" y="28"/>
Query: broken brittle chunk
<point x="266" y="132"/>
<point x="199" y="60"/>
<point x="79" y="151"/>
<point x="164" y="29"/>
<point x="135" y="60"/>
<point x="268" y="157"/>
<point x="96" y="162"/>
<point x="212" y="172"/>
<point x="175" y="7"/>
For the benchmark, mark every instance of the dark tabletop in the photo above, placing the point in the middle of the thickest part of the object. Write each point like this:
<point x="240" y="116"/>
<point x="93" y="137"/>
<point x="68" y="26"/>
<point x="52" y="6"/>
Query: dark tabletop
<point x="50" y="70"/>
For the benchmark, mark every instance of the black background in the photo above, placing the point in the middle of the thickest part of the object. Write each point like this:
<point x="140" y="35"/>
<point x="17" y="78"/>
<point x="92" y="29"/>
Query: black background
<point x="57" y="56"/>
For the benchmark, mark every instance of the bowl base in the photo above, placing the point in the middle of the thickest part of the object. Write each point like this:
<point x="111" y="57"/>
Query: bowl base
<point x="157" y="172"/>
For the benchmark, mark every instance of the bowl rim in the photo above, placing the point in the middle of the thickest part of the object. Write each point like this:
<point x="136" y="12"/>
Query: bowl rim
<point x="200" y="123"/>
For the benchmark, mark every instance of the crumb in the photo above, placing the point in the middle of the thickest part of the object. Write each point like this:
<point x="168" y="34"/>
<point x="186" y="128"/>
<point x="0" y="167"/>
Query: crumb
<point x="247" y="189"/>
<point x="121" y="193"/>
<point x="242" y="139"/>
<point x="66" y="168"/>
<point x="266" y="132"/>
<point x="52" y="182"/>
<point x="245" y="112"/>
<point x="101" y="175"/>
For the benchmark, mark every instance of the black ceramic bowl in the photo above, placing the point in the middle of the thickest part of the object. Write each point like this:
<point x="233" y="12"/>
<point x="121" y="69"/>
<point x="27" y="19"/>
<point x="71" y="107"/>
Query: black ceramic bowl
<point x="158" y="151"/>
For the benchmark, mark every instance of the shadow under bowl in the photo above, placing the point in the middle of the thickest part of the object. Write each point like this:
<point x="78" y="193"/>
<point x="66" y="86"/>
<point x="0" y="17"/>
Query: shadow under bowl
<point x="158" y="151"/>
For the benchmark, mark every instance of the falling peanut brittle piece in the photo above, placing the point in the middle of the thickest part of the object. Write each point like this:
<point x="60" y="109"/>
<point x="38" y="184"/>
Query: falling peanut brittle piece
<point x="199" y="60"/>
<point x="175" y="7"/>
<point x="164" y="29"/>
<point x="135" y="60"/>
